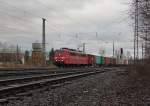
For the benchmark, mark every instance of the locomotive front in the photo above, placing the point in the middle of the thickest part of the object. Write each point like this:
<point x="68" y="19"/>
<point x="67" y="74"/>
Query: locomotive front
<point x="59" y="57"/>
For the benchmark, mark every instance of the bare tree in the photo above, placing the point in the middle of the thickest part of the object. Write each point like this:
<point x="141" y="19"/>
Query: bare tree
<point x="141" y="8"/>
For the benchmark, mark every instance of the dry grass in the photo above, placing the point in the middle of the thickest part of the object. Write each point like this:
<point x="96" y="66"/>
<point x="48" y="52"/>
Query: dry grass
<point x="140" y="70"/>
<point x="15" y="66"/>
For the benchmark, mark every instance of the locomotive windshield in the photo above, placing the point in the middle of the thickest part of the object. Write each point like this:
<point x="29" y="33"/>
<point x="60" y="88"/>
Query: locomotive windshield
<point x="59" y="51"/>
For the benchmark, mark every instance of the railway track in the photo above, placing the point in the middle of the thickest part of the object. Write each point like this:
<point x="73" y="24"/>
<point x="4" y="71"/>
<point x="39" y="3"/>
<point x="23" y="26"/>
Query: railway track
<point x="11" y="87"/>
<point x="5" y="74"/>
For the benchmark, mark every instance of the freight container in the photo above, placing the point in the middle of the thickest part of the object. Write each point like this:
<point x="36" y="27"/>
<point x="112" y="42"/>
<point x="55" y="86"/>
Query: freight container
<point x="120" y="61"/>
<point x="111" y="61"/>
<point x="106" y="60"/>
<point x="102" y="60"/>
<point x="125" y="62"/>
<point x="114" y="61"/>
<point x="99" y="60"/>
<point x="90" y="59"/>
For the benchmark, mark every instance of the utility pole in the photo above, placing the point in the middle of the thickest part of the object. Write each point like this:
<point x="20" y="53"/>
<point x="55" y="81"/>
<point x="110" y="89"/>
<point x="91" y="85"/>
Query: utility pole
<point x="17" y="54"/>
<point x="113" y="49"/>
<point x="43" y="40"/>
<point x="76" y="36"/>
<point x="84" y="47"/>
<point x="96" y="35"/>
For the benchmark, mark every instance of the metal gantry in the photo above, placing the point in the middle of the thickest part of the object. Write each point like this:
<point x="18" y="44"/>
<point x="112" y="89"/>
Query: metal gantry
<point x="142" y="27"/>
<point x="136" y="34"/>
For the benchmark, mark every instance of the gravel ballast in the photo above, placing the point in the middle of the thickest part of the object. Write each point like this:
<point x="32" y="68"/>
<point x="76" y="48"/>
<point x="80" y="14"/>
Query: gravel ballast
<point x="114" y="88"/>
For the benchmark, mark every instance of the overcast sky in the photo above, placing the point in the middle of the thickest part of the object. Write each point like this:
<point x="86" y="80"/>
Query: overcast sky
<point x="69" y="23"/>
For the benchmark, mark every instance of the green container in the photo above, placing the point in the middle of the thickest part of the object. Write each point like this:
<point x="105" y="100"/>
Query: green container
<point x="99" y="60"/>
<point x="111" y="61"/>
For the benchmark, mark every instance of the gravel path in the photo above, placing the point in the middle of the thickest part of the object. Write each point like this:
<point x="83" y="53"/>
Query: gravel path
<point x="107" y="89"/>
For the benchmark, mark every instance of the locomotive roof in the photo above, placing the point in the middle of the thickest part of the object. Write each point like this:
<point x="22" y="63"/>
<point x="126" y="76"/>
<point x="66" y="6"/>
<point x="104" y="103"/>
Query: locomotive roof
<point x="71" y="50"/>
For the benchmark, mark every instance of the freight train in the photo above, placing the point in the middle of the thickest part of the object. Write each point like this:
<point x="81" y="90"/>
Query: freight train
<point x="65" y="57"/>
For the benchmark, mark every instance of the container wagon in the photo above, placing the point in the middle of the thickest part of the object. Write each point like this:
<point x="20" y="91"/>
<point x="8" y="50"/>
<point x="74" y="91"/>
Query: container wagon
<point x="106" y="61"/>
<point x="99" y="61"/>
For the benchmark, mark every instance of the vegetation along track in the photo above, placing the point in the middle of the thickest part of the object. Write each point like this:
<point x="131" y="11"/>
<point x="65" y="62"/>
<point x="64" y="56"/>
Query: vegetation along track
<point x="11" y="87"/>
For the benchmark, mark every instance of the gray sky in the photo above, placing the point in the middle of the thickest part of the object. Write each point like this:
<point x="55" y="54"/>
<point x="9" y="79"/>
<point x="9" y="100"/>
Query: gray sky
<point x="69" y="23"/>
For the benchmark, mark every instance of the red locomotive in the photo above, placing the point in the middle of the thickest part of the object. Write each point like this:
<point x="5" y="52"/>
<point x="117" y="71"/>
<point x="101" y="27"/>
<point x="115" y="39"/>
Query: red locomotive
<point x="70" y="57"/>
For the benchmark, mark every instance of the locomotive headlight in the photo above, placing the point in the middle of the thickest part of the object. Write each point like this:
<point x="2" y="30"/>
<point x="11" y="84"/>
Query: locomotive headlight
<point x="63" y="57"/>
